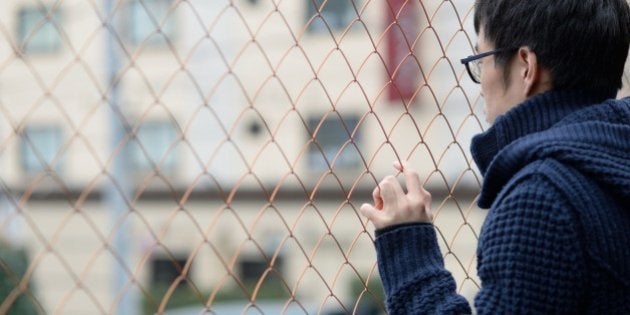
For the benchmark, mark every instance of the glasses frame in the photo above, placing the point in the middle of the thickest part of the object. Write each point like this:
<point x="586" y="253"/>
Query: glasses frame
<point x="466" y="61"/>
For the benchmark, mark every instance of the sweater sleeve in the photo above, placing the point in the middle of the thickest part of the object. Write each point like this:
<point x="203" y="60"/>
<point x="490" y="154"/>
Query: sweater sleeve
<point x="413" y="274"/>
<point x="529" y="255"/>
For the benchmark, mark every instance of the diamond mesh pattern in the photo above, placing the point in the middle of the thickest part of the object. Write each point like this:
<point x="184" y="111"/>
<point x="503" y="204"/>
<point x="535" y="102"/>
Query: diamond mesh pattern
<point x="210" y="156"/>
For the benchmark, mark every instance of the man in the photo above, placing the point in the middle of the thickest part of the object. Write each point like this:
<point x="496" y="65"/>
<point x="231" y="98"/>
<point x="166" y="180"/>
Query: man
<point x="556" y="167"/>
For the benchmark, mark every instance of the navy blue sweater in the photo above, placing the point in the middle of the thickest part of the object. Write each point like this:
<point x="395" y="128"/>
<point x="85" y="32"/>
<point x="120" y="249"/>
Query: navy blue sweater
<point x="557" y="238"/>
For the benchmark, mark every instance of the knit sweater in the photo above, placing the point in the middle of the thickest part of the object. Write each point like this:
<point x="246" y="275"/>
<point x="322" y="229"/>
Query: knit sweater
<point x="557" y="237"/>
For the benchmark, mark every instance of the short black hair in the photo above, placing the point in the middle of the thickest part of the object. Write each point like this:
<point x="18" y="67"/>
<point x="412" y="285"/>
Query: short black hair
<point x="583" y="43"/>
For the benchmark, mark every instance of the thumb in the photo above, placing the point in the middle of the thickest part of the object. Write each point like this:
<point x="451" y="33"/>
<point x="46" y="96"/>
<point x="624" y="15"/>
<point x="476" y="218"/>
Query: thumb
<point x="368" y="211"/>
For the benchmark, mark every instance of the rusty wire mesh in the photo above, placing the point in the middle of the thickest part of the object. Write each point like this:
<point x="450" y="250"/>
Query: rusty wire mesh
<point x="195" y="156"/>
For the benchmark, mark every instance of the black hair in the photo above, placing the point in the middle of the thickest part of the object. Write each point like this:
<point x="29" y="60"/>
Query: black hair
<point x="583" y="43"/>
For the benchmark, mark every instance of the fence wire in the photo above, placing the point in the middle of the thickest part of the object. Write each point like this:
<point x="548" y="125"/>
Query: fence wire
<point x="189" y="156"/>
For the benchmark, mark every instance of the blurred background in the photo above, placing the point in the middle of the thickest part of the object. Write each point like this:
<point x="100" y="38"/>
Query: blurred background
<point x="209" y="157"/>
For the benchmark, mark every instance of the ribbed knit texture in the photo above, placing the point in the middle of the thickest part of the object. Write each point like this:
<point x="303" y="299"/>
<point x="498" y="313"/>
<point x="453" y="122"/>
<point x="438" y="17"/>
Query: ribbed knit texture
<point x="557" y="238"/>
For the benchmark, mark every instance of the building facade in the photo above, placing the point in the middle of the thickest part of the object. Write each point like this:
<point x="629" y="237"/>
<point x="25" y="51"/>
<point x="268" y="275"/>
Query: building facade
<point x="251" y="131"/>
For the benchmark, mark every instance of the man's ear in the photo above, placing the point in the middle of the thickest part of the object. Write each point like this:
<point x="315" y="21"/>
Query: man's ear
<point x="528" y="69"/>
<point x="534" y="77"/>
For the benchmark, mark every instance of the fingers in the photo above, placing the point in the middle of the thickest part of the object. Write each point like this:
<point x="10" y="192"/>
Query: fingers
<point x="368" y="211"/>
<point x="412" y="179"/>
<point x="400" y="165"/>
<point x="374" y="215"/>
<point x="427" y="199"/>
<point x="393" y="206"/>
<point x="390" y="189"/>
<point x="376" y="196"/>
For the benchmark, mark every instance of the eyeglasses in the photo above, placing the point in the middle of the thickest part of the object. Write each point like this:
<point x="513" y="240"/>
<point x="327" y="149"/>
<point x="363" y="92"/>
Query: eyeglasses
<point x="473" y="66"/>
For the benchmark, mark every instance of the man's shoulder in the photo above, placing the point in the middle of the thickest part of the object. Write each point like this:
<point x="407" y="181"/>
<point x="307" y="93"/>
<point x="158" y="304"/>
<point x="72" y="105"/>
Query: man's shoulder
<point x="569" y="189"/>
<point x="543" y="171"/>
<point x="616" y="111"/>
<point x="545" y="177"/>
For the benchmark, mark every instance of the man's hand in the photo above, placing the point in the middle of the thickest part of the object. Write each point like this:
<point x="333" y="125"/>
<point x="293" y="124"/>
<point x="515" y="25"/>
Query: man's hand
<point x="392" y="206"/>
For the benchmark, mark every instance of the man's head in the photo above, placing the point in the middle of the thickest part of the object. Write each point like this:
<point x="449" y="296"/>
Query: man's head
<point x="573" y="45"/>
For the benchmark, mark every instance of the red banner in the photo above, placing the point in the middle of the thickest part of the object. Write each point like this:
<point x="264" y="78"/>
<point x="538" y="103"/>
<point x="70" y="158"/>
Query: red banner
<point x="403" y="29"/>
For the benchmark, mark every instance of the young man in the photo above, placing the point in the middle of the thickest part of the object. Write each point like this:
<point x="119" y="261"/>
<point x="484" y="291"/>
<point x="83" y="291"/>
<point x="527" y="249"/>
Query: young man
<point x="556" y="167"/>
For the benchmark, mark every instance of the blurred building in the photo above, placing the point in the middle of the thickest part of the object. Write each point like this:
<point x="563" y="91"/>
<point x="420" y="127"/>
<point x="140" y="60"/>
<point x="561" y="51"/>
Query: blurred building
<point x="254" y="130"/>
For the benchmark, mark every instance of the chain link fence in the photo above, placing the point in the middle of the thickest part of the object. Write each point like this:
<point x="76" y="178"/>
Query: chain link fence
<point x="209" y="157"/>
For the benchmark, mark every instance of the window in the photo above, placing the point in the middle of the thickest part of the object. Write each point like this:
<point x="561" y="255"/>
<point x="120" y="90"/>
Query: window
<point x="332" y="137"/>
<point x="165" y="270"/>
<point x="153" y="146"/>
<point x="39" y="147"/>
<point x="337" y="14"/>
<point x="37" y="30"/>
<point x="151" y="22"/>
<point x="253" y="267"/>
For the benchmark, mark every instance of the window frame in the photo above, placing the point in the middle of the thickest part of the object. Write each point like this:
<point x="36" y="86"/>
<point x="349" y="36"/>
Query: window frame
<point x="31" y="160"/>
<point x="163" y="18"/>
<point x="145" y="159"/>
<point x="350" y="157"/>
<point x="252" y="267"/>
<point x="161" y="279"/>
<point x="337" y="22"/>
<point x="42" y="27"/>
